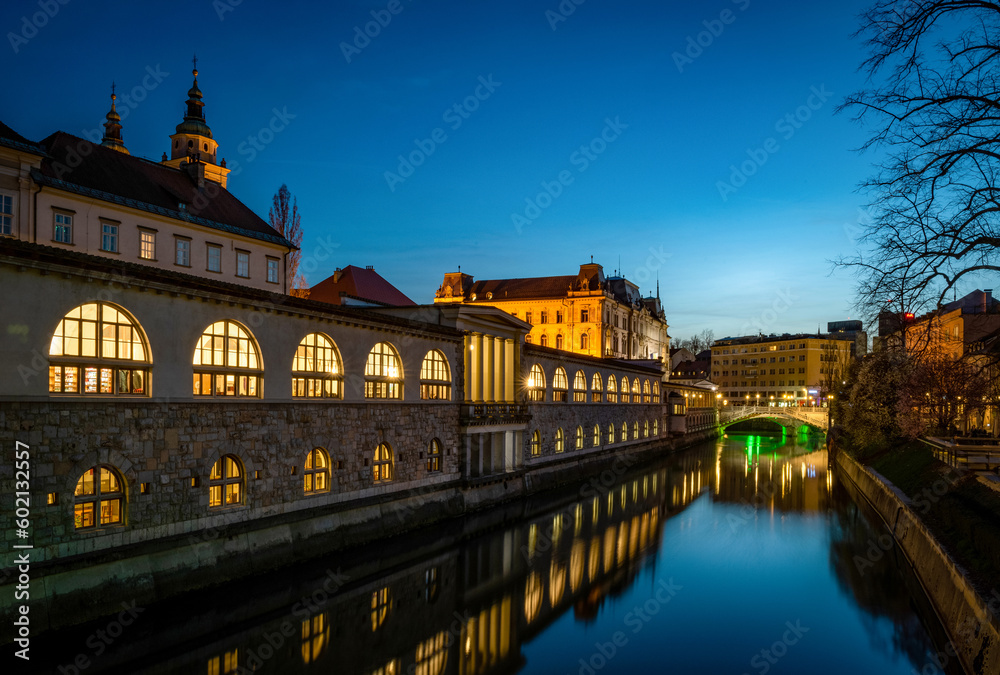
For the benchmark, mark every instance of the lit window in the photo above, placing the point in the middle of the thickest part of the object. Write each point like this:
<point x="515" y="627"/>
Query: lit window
<point x="645" y="429"/>
<point x="315" y="637"/>
<point x="227" y="362"/>
<point x="636" y="390"/>
<point x="243" y="264"/>
<point x="560" y="385"/>
<point x="432" y="655"/>
<point x="596" y="388"/>
<point x="656" y="427"/>
<point x="317" y="473"/>
<point x="98" y="498"/>
<point x="382" y="464"/>
<point x="6" y="214"/>
<point x="434" y="455"/>
<point x="380" y="607"/>
<point x="612" y="390"/>
<point x="532" y="597"/>
<point x="611" y="433"/>
<point x="536" y="383"/>
<point x="147" y="245"/>
<point x="597" y="435"/>
<point x="96" y="349"/>
<point x="536" y="443"/>
<point x="560" y="441"/>
<point x="383" y="374"/>
<point x="214" y="257"/>
<point x="624" y="431"/>
<point x="635" y="429"/>
<point x="227" y="664"/>
<point x="109" y="237"/>
<point x="435" y="377"/>
<point x="579" y="438"/>
<point x="316" y="371"/>
<point x="579" y="387"/>
<point x="225" y="483"/>
<point x="63" y="232"/>
<point x="646" y="395"/>
<point x="624" y="390"/>
<point x="182" y="252"/>
<point x="272" y="270"/>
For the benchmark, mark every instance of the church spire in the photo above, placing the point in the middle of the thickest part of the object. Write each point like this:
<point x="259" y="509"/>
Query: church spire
<point x="192" y="145"/>
<point x="113" y="127"/>
<point x="194" y="102"/>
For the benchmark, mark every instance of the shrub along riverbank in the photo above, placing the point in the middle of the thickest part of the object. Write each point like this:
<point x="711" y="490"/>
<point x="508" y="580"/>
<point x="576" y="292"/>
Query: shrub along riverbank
<point x="963" y="514"/>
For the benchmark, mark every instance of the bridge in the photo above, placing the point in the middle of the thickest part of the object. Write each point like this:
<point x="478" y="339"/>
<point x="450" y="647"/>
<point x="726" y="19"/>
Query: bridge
<point x="815" y="417"/>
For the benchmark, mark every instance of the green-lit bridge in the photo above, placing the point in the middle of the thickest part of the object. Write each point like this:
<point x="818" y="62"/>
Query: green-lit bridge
<point x="788" y="417"/>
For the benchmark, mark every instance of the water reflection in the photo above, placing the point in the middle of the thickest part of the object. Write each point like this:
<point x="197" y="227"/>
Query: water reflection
<point x="474" y="607"/>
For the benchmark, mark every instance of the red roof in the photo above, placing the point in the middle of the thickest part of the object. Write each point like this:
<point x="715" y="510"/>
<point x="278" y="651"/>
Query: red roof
<point x="364" y="284"/>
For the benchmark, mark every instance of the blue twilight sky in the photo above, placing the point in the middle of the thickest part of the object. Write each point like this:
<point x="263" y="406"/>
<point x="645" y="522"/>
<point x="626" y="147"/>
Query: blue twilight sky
<point x="733" y="253"/>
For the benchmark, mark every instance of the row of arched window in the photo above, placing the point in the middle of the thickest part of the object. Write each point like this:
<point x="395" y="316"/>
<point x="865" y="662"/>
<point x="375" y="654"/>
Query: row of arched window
<point x="630" y="391"/>
<point x="562" y="442"/>
<point x="100" y="495"/>
<point x="543" y="340"/>
<point x="98" y="348"/>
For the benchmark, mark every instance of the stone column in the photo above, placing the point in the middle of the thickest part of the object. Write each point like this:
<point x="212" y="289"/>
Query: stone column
<point x="476" y="374"/>
<point x="487" y="368"/>
<point x="510" y="371"/>
<point x="499" y="357"/>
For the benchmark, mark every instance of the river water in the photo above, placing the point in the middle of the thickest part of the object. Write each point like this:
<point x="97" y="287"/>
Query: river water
<point x="741" y="555"/>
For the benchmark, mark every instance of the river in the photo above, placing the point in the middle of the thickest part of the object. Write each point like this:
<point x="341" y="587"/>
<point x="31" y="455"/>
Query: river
<point x="741" y="555"/>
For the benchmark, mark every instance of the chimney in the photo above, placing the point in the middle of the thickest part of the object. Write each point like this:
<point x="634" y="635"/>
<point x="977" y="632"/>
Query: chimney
<point x="370" y="267"/>
<point x="337" y="274"/>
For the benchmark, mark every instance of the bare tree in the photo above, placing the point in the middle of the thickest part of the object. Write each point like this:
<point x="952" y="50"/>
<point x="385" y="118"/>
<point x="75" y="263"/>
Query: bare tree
<point x="933" y="110"/>
<point x="284" y="217"/>
<point x="698" y="343"/>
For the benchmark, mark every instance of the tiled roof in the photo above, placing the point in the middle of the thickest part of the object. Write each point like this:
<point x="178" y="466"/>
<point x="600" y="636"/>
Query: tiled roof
<point x="366" y="284"/>
<point x="77" y="165"/>
<point x="510" y="289"/>
<point x="12" y="139"/>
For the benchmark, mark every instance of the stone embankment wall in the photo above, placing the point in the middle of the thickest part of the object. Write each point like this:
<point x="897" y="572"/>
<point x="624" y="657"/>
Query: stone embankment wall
<point x="973" y="625"/>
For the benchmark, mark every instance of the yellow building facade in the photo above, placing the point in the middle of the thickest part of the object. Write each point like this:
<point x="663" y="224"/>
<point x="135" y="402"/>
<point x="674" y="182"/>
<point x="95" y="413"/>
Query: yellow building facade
<point x="586" y="313"/>
<point x="779" y="370"/>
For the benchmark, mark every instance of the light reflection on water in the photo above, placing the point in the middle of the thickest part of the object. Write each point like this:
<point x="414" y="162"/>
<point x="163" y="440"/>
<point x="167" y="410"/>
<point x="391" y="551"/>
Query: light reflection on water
<point x="736" y="556"/>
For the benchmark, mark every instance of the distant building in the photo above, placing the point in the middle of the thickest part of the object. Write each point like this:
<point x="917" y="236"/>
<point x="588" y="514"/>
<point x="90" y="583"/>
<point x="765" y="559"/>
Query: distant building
<point x="784" y="369"/>
<point x="586" y="313"/>
<point x="177" y="215"/>
<point x="360" y="287"/>
<point x="946" y="332"/>
<point x="678" y="355"/>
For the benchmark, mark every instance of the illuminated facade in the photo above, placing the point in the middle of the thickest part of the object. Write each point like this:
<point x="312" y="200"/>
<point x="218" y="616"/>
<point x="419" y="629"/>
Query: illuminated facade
<point x="177" y="215"/>
<point x="780" y="369"/>
<point x="586" y="313"/>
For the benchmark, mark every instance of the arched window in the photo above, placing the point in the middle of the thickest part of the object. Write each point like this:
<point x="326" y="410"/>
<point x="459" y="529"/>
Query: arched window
<point x="536" y="443"/>
<point x="317" y="473"/>
<point x="434" y="455"/>
<point x="656" y="392"/>
<point x="596" y="388"/>
<point x="380" y="607"/>
<point x="611" y="433"/>
<point x="579" y="387"/>
<point x="645" y="429"/>
<point x="435" y="377"/>
<point x="225" y="484"/>
<point x="382" y="464"/>
<point x="98" y="348"/>
<point x="560" y="385"/>
<point x="656" y="427"/>
<point x="645" y="391"/>
<point x="636" y="391"/>
<point x="612" y="390"/>
<point x="624" y="431"/>
<point x="635" y="429"/>
<point x="527" y="339"/>
<point x="227" y="362"/>
<point x="432" y="655"/>
<point x="316" y="368"/>
<point x="559" y="341"/>
<point x="579" y="438"/>
<point x="532" y="598"/>
<point x="383" y="373"/>
<point x="544" y="340"/>
<point x="536" y="383"/>
<point x="99" y="498"/>
<point x="624" y="390"/>
<point x="560" y="441"/>
<point x="584" y="341"/>
<point x="597" y="435"/>
<point x="315" y="637"/>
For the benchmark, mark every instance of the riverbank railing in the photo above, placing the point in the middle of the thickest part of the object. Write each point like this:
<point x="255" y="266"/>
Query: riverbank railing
<point x="972" y="454"/>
